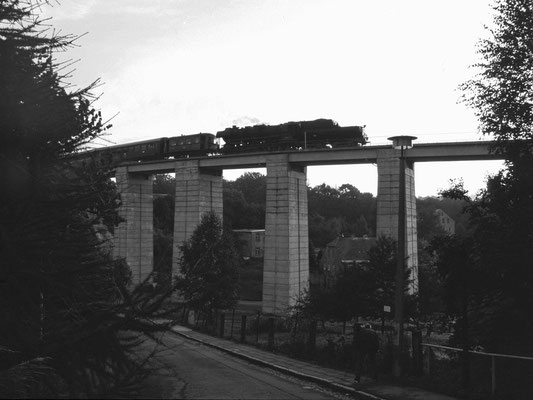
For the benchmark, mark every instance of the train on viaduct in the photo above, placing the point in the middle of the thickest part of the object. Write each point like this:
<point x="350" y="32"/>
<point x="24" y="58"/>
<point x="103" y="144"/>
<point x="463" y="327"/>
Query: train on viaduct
<point x="285" y="151"/>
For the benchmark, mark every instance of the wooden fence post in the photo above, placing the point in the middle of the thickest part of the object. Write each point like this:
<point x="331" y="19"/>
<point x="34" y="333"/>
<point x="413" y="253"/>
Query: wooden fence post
<point x="311" y="342"/>
<point x="257" y="331"/>
<point x="270" y="333"/>
<point x="493" y="372"/>
<point x="222" y="325"/>
<point x="232" y="321"/>
<point x="427" y="361"/>
<point x="416" y="338"/>
<point x="243" y="328"/>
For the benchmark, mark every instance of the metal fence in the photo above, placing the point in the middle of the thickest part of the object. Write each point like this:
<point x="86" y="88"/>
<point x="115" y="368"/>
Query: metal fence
<point x="328" y="343"/>
<point x="502" y="376"/>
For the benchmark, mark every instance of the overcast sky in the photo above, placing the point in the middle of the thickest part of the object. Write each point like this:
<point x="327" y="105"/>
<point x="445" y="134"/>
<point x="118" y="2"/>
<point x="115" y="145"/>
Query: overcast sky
<point x="172" y="67"/>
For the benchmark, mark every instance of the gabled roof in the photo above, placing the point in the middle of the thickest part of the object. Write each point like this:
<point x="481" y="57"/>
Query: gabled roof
<point x="351" y="248"/>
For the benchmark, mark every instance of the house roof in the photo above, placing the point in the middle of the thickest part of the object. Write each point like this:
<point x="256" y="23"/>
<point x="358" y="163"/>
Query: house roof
<point x="352" y="248"/>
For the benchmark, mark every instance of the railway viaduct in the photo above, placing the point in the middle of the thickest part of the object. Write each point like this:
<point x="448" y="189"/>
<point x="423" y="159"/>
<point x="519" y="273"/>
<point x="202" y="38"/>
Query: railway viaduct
<point x="286" y="263"/>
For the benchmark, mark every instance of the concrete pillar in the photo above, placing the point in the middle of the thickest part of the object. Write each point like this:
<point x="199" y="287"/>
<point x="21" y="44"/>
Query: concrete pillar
<point x="134" y="238"/>
<point x="197" y="192"/>
<point x="286" y="260"/>
<point x="388" y="202"/>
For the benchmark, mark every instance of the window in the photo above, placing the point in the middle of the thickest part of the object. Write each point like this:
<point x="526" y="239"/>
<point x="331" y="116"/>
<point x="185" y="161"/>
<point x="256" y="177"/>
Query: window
<point x="258" y="251"/>
<point x="257" y="237"/>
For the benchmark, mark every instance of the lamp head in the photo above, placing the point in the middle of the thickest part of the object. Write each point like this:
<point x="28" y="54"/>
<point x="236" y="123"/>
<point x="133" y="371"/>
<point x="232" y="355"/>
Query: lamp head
<point x="402" y="142"/>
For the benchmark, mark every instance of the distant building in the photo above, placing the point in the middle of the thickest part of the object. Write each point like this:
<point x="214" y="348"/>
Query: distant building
<point x="445" y="221"/>
<point x="252" y="242"/>
<point x="345" y="252"/>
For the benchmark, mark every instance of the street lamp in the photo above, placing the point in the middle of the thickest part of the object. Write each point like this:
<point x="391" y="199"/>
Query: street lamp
<point x="401" y="143"/>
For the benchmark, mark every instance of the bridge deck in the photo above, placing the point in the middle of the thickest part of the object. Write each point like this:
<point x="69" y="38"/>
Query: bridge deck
<point x="421" y="152"/>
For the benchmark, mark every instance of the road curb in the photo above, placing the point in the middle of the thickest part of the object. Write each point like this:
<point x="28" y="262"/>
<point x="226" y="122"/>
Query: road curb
<point x="323" y="382"/>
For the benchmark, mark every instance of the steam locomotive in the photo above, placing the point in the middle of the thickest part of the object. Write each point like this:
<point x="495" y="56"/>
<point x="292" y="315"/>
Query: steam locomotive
<point x="321" y="133"/>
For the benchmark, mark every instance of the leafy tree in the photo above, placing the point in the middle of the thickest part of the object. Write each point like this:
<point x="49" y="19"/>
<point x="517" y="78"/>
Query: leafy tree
<point x="427" y="223"/>
<point x="430" y="292"/>
<point x="63" y="300"/>
<point x="456" y="265"/>
<point x="322" y="230"/>
<point x="502" y="97"/>
<point x="382" y="263"/>
<point x="165" y="184"/>
<point x="253" y="187"/>
<point x="349" y="191"/>
<point x="346" y="297"/>
<point x="239" y="214"/>
<point x="360" y="290"/>
<point x="245" y="201"/>
<point x="331" y="211"/>
<point x="360" y="227"/>
<point x="209" y="266"/>
<point x="347" y="206"/>
<point x="382" y="267"/>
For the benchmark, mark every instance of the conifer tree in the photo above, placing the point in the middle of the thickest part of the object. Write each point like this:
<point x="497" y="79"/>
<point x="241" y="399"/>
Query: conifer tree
<point x="64" y="301"/>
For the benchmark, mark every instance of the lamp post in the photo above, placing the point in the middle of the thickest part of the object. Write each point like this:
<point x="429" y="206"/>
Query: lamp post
<point x="401" y="143"/>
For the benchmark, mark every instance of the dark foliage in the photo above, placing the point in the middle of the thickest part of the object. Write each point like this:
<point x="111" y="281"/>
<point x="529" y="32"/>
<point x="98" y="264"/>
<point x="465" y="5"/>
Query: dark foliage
<point x="502" y="215"/>
<point x="209" y="267"/>
<point x="65" y="304"/>
<point x="335" y="211"/>
<point x="245" y="201"/>
<point x="357" y="291"/>
<point x="251" y="280"/>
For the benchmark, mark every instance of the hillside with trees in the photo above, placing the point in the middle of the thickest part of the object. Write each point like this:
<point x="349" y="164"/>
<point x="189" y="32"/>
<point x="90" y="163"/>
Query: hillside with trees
<point x="332" y="211"/>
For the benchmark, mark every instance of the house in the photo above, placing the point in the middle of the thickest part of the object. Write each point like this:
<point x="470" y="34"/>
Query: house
<point x="345" y="252"/>
<point x="252" y="241"/>
<point x="445" y="222"/>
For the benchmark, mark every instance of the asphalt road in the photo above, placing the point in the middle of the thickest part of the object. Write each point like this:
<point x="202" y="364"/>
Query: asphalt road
<point x="189" y="370"/>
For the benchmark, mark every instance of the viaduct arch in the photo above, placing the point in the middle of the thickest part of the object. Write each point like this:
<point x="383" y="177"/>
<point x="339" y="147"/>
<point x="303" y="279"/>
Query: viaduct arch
<point x="286" y="263"/>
